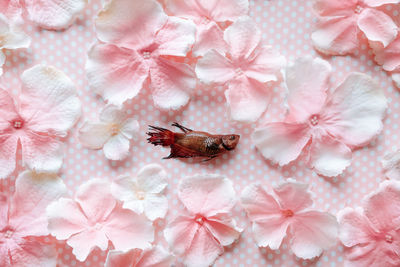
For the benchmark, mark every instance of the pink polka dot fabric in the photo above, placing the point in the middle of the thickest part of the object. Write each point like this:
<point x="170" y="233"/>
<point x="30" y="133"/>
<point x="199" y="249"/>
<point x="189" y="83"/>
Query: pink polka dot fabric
<point x="287" y="27"/>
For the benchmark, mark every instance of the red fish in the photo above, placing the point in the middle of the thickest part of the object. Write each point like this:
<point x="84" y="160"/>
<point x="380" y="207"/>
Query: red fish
<point x="191" y="143"/>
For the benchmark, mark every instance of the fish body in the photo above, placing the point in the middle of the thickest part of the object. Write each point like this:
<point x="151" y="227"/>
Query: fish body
<point x="189" y="143"/>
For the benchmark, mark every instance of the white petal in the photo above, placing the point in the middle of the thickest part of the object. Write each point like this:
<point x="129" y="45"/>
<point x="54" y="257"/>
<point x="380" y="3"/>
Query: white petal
<point x="391" y="165"/>
<point x="117" y="147"/>
<point x="112" y="114"/>
<point x="152" y="178"/>
<point x="130" y="128"/>
<point x="155" y="206"/>
<point x="94" y="135"/>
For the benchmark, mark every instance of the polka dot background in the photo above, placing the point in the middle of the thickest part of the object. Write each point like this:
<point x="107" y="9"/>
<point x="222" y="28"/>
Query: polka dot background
<point x="286" y="25"/>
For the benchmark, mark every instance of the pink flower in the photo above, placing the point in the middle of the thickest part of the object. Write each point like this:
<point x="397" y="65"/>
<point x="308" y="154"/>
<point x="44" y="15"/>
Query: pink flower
<point x="341" y="21"/>
<point x="141" y="45"/>
<point x="326" y="127"/>
<point x="208" y="15"/>
<point x="372" y="233"/>
<point x="391" y="165"/>
<point x="23" y="216"/>
<point x="199" y="237"/>
<point x="287" y="211"/>
<point x="245" y="69"/>
<point x="143" y="194"/>
<point x="94" y="218"/>
<point x="112" y="133"/>
<point x="45" y="110"/>
<point x="48" y="14"/>
<point x="154" y="257"/>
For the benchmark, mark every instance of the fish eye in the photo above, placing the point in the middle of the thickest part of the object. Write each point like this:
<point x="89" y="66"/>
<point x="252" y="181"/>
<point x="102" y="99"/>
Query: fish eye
<point x="232" y="137"/>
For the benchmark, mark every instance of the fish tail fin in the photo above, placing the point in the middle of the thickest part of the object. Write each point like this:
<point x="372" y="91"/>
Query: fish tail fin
<point x="160" y="136"/>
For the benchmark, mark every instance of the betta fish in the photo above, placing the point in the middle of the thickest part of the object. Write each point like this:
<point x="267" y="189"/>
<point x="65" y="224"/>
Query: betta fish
<point x="189" y="143"/>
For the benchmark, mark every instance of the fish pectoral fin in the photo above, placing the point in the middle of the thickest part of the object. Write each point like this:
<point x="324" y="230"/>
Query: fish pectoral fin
<point x="183" y="128"/>
<point x="178" y="151"/>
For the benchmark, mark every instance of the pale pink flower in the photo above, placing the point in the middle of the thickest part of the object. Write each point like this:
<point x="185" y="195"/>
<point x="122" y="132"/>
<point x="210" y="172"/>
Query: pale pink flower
<point x="141" y="45"/>
<point x="391" y="165"/>
<point x="112" y="133"/>
<point x="372" y="233"/>
<point x="45" y="110"/>
<point x="152" y="257"/>
<point x="246" y="68"/>
<point x="94" y="218"/>
<point x="23" y="216"/>
<point x="199" y="237"/>
<point x="144" y="193"/>
<point x="324" y="126"/>
<point x="208" y="15"/>
<point x="48" y="14"/>
<point x="287" y="211"/>
<point x="342" y="21"/>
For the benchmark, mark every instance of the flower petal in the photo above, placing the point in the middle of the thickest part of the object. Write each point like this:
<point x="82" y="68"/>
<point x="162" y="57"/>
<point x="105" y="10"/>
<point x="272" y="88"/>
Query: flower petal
<point x="335" y="8"/>
<point x="176" y="37"/>
<point x="312" y="232"/>
<point x="307" y="81"/>
<point x="118" y="258"/>
<point x="49" y="101"/>
<point x="94" y="135"/>
<point x="242" y="37"/>
<point x="223" y="229"/>
<point x="396" y="79"/>
<point x="391" y="165"/>
<point x="372" y="255"/>
<point x="5" y="259"/>
<point x="130" y="23"/>
<point x="117" y="147"/>
<point x="8" y="154"/>
<point x="84" y="242"/>
<point x="12" y="36"/>
<point x="112" y="114"/>
<point x="207" y="194"/>
<point x="33" y="193"/>
<point x="2" y="61"/>
<point x="54" y="14"/>
<point x="389" y="56"/>
<point x="271" y="232"/>
<point x="115" y="73"/>
<point x="155" y="257"/>
<point x="293" y="195"/>
<point x="130" y="128"/>
<point x="155" y="206"/>
<point x="171" y="83"/>
<point x="152" y="178"/>
<point x="214" y="68"/>
<point x="355" y="110"/>
<point x="377" y="3"/>
<point x="8" y="110"/>
<point x="125" y="188"/>
<point x="33" y="254"/>
<point x="225" y="10"/>
<point x="209" y="36"/>
<point x="3" y="210"/>
<point x="336" y="35"/>
<point x="329" y="156"/>
<point x="377" y="26"/>
<point x="281" y="142"/>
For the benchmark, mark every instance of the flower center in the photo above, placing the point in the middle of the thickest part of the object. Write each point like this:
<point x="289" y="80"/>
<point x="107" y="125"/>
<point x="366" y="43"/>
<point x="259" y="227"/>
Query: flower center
<point x="200" y="219"/>
<point x="140" y="195"/>
<point x="8" y="234"/>
<point x="314" y="119"/>
<point x="17" y="124"/>
<point x="388" y="238"/>
<point x="114" y="129"/>
<point x="358" y="9"/>
<point x="146" y="54"/>
<point x="239" y="71"/>
<point x="205" y="20"/>
<point x="287" y="213"/>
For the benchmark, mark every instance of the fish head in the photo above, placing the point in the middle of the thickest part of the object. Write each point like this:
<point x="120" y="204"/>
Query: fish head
<point x="230" y="141"/>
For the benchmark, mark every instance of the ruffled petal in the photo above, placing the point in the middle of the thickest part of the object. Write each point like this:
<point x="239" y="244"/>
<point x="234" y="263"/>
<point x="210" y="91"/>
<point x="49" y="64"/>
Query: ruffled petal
<point x="377" y="26"/>
<point x="281" y="142"/>
<point x="207" y="194"/>
<point x="54" y="14"/>
<point x="335" y="8"/>
<point x="123" y="259"/>
<point x="130" y="128"/>
<point x="225" y="10"/>
<point x="377" y="3"/>
<point x="155" y="206"/>
<point x="312" y="232"/>
<point x="117" y="147"/>
<point x="8" y="154"/>
<point x="223" y="229"/>
<point x="125" y="189"/>
<point x="155" y="257"/>
<point x="33" y="193"/>
<point x="33" y="254"/>
<point x="355" y="110"/>
<point x="372" y="255"/>
<point x="293" y="195"/>
<point x="95" y="199"/>
<point x="271" y="232"/>
<point x="127" y="230"/>
<point x="112" y="114"/>
<point x="328" y="156"/>
<point x="214" y="68"/>
<point x="84" y="242"/>
<point x="130" y="23"/>
<point x="242" y="37"/>
<point x="389" y="56"/>
<point x="209" y="36"/>
<point x="391" y="165"/>
<point x="12" y="36"/>
<point x="115" y="73"/>
<point x="49" y="101"/>
<point x="336" y="35"/>
<point x="247" y="99"/>
<point x="176" y="37"/>
<point x="171" y="83"/>
<point x="307" y="81"/>
<point x="8" y="110"/>
<point x="94" y="135"/>
<point x="12" y="9"/>
<point x="152" y="178"/>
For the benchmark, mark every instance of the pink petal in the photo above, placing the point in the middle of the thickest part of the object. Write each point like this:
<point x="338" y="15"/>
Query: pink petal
<point x="207" y="194"/>
<point x="115" y="73"/>
<point x="41" y="153"/>
<point x="391" y="165"/>
<point x="123" y="259"/>
<point x="8" y="154"/>
<point x="281" y="142"/>
<point x="247" y="99"/>
<point x="117" y="147"/>
<point x="3" y="211"/>
<point x="171" y="83"/>
<point x="307" y="81"/>
<point x="389" y="57"/>
<point x="293" y="195"/>
<point x="94" y="135"/>
<point x="396" y="79"/>
<point x="189" y="9"/>
<point x="84" y="242"/>
<point x="4" y="256"/>
<point x="127" y="230"/>
<point x="2" y="61"/>
<point x="128" y="23"/>
<point x="12" y="9"/>
<point x="225" y="10"/>
<point x="270" y="232"/>
<point x="328" y="156"/>
<point x="54" y="14"/>
<point x="95" y="199"/>
<point x="32" y="254"/>
<point x="355" y="110"/>
<point x="155" y="257"/>
<point x="180" y="234"/>
<point x="152" y="178"/>
<point x="372" y="255"/>
<point x="214" y="68"/>
<point x="49" y="101"/>
<point x="33" y="193"/>
<point x="176" y="37"/>
<point x="312" y="232"/>
<point x="209" y="36"/>
<point x="66" y="218"/>
<point x="377" y="3"/>
<point x="8" y="111"/>
<point x="223" y="229"/>
<point x="243" y="36"/>
<point x="336" y="35"/>
<point x="377" y="26"/>
<point x="335" y="8"/>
